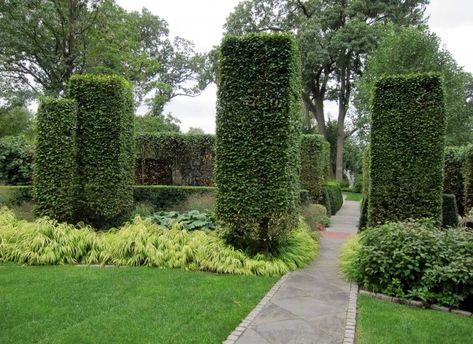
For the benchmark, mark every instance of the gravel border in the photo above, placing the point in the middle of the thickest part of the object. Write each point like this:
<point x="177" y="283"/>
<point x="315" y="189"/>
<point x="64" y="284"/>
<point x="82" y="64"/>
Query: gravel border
<point x="415" y="303"/>
<point x="238" y="331"/>
<point x="350" y="324"/>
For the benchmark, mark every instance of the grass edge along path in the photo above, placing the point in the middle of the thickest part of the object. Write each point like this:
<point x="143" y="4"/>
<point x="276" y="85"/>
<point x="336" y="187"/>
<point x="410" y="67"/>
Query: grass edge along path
<point x="70" y="304"/>
<point x="380" y="322"/>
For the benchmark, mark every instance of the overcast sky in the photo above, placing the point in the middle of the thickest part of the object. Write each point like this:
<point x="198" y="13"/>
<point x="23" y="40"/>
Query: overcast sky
<point x="201" y="21"/>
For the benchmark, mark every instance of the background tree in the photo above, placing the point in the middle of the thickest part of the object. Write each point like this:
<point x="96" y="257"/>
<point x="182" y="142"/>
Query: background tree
<point x="43" y="42"/>
<point x="414" y="50"/>
<point x="334" y="36"/>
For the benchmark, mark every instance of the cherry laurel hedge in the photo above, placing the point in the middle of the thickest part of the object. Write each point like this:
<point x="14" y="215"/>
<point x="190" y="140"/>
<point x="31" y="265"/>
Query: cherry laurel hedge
<point x="315" y="152"/>
<point x="258" y="138"/>
<point x="105" y="146"/>
<point x="55" y="167"/>
<point x="407" y="149"/>
<point x="174" y="159"/>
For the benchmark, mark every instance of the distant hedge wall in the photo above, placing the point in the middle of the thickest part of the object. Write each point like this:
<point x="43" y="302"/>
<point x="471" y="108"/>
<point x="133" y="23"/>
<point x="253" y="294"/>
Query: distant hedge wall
<point x="454" y="171"/>
<point x="449" y="211"/>
<point x="55" y="167"/>
<point x="468" y="179"/>
<point x="313" y="165"/>
<point x="407" y="149"/>
<point x="174" y="159"/>
<point x="105" y="143"/>
<point x="258" y="138"/>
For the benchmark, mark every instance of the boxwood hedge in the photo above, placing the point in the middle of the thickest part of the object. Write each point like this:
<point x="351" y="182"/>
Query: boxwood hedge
<point x="407" y="149"/>
<point x="313" y="165"/>
<point x="105" y="147"/>
<point x="55" y="167"/>
<point x="258" y="138"/>
<point x="454" y="171"/>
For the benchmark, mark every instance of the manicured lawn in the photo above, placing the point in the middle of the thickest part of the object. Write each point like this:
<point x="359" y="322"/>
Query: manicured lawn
<point x="385" y="322"/>
<point x="354" y="196"/>
<point x="68" y="304"/>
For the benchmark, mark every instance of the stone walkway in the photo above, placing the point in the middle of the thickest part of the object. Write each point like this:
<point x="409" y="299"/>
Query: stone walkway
<point x="311" y="304"/>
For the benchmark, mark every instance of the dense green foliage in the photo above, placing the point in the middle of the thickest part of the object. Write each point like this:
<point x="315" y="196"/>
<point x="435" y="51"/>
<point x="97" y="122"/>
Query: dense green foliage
<point x="364" y="213"/>
<point x="141" y="242"/>
<point x="454" y="171"/>
<point x="166" y="196"/>
<point x="313" y="165"/>
<point x="366" y="171"/>
<point x="16" y="161"/>
<point x="105" y="148"/>
<point x="468" y="179"/>
<point x="55" y="177"/>
<point x="316" y="216"/>
<point x="258" y="139"/>
<point x="151" y="124"/>
<point x="449" y="211"/>
<point x="410" y="49"/>
<point x="332" y="197"/>
<point x="127" y="305"/>
<point x="407" y="149"/>
<point x="15" y="195"/>
<point x="381" y="321"/>
<point x="16" y="120"/>
<point x="175" y="159"/>
<point x="190" y="220"/>
<point x="414" y="259"/>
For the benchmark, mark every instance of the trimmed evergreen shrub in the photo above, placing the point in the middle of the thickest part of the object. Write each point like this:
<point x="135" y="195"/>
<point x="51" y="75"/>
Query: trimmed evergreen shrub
<point x="407" y="149"/>
<point x="366" y="170"/>
<point x="258" y="138"/>
<point x="325" y="201"/>
<point x="449" y="211"/>
<point x="313" y="168"/>
<point x="174" y="159"/>
<point x="364" y="214"/>
<point x="55" y="168"/>
<point x="105" y="148"/>
<point x="335" y="196"/>
<point x="468" y="179"/>
<point x="454" y="171"/>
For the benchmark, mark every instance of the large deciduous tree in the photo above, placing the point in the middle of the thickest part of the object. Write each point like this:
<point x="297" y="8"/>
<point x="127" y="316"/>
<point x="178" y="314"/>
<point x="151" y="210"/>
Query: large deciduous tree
<point x="43" y="42"/>
<point x="335" y="37"/>
<point x="414" y="50"/>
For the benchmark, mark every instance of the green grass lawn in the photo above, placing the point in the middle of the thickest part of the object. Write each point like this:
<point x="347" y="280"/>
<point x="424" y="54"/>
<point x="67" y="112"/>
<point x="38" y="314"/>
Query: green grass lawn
<point x="382" y="322"/>
<point x="354" y="196"/>
<point x="69" y="304"/>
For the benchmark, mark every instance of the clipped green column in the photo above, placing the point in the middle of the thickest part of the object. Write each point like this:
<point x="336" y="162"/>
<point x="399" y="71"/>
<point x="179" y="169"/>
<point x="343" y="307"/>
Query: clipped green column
<point x="407" y="149"/>
<point x="55" y="159"/>
<point x="258" y="139"/>
<point x="105" y="142"/>
<point x="314" y="162"/>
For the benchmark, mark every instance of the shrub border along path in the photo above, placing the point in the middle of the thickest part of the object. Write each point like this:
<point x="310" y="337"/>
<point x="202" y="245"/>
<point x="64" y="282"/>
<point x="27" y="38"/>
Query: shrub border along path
<point x="314" y="304"/>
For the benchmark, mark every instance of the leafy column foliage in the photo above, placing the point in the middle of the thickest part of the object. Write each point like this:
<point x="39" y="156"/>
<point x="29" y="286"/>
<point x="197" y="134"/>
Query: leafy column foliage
<point x="55" y="160"/>
<point x="105" y="143"/>
<point x="314" y="153"/>
<point x="454" y="171"/>
<point x="407" y="149"/>
<point x="469" y="179"/>
<point x="258" y="139"/>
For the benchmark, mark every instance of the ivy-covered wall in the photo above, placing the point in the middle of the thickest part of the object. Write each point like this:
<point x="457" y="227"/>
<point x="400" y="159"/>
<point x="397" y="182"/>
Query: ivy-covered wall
<point x="407" y="149"/>
<point x="259" y="121"/>
<point x="174" y="159"/>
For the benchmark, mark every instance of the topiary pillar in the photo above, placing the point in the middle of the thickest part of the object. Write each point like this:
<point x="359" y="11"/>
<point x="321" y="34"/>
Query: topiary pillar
<point x="407" y="149"/>
<point x="55" y="165"/>
<point x="468" y="179"/>
<point x="313" y="165"/>
<point x="105" y="148"/>
<point x="258" y="139"/>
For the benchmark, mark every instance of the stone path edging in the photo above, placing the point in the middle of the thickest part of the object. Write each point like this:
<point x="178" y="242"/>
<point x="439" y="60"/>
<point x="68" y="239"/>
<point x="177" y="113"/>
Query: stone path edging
<point x="350" y="326"/>
<point x="238" y="331"/>
<point x="414" y="303"/>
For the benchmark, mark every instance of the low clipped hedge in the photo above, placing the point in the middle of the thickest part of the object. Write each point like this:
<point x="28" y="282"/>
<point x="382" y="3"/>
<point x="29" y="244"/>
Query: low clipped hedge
<point x="449" y="211"/>
<point x="413" y="260"/>
<point x="144" y="243"/>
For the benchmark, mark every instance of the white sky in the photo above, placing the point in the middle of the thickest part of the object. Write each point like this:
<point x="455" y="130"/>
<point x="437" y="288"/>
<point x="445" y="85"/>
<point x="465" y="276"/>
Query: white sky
<point x="201" y="21"/>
